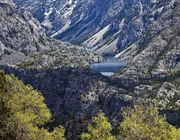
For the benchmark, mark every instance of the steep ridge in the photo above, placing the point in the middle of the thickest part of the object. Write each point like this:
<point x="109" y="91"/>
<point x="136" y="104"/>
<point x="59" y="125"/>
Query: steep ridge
<point x="107" y="27"/>
<point x="155" y="72"/>
<point x="159" y="57"/>
<point x="60" y="54"/>
<point x="21" y="35"/>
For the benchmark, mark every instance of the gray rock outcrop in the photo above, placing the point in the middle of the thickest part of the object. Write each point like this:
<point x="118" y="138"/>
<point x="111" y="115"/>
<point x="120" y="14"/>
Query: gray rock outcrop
<point x="21" y="35"/>
<point x="108" y="27"/>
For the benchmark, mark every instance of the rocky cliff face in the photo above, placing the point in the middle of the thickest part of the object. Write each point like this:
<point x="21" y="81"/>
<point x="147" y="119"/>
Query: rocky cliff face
<point x="159" y="57"/>
<point x="21" y="35"/>
<point x="108" y="26"/>
<point x="154" y="73"/>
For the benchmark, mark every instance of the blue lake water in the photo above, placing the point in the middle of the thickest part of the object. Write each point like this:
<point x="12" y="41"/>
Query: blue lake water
<point x="108" y="67"/>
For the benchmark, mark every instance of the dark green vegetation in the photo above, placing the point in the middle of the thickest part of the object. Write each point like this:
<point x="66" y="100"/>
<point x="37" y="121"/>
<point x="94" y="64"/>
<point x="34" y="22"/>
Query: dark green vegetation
<point x="23" y="115"/>
<point x="99" y="129"/>
<point x="139" y="123"/>
<point x="142" y="122"/>
<point x="23" y="112"/>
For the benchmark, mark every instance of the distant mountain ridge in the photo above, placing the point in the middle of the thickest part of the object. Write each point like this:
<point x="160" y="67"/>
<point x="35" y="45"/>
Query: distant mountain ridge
<point x="107" y="27"/>
<point x="22" y="36"/>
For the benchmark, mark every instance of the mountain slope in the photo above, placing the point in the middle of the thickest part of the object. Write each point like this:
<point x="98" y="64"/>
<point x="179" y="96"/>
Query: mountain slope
<point x="159" y="56"/>
<point x="107" y="27"/>
<point x="154" y="73"/>
<point x="21" y="35"/>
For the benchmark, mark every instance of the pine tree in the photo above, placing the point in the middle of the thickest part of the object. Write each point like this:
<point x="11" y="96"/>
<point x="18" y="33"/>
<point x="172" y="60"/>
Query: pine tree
<point x="23" y="111"/>
<point x="146" y="123"/>
<point x="99" y="129"/>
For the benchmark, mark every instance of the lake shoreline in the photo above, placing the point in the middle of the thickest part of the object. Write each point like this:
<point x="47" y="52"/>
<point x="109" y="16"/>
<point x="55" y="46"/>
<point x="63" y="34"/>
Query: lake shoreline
<point x="108" y="67"/>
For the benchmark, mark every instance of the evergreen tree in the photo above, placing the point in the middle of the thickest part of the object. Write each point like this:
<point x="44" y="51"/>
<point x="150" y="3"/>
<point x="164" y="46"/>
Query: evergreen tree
<point x="22" y="112"/>
<point x="145" y="123"/>
<point x="99" y="129"/>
